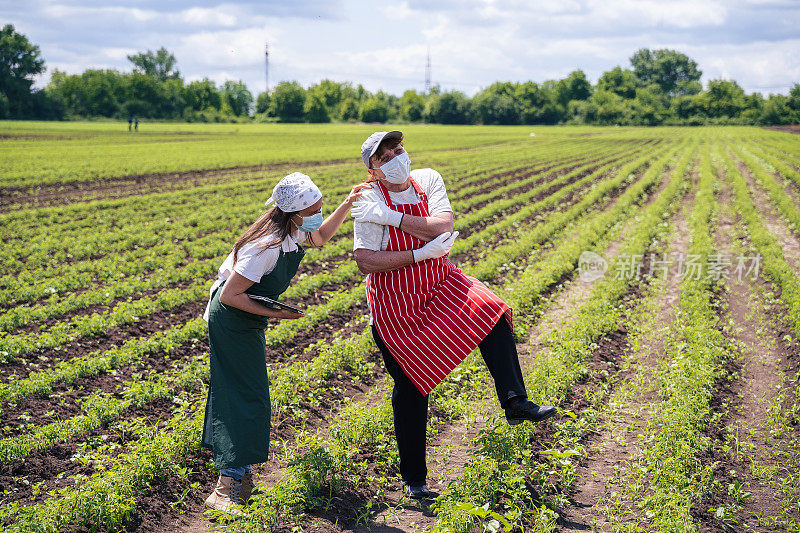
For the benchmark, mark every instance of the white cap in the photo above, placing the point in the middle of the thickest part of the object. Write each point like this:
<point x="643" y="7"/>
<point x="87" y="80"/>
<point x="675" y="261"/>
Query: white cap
<point x="294" y="193"/>
<point x="371" y="144"/>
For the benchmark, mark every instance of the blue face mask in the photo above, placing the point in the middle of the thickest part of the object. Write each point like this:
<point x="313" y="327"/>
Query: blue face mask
<point x="311" y="223"/>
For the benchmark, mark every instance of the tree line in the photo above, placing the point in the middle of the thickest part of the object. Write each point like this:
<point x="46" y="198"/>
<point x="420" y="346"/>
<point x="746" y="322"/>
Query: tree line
<point x="660" y="87"/>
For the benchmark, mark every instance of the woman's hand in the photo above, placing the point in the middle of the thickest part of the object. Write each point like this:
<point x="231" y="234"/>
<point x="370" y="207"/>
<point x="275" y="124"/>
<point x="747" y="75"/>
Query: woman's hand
<point x="331" y="224"/>
<point x="355" y="193"/>
<point x="285" y="313"/>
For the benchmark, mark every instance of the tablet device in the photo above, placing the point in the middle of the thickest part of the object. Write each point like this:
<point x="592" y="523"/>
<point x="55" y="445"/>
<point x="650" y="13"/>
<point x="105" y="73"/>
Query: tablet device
<point x="275" y="304"/>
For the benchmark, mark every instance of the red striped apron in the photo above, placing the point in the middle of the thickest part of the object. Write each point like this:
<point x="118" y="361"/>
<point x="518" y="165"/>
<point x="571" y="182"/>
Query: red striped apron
<point x="429" y="314"/>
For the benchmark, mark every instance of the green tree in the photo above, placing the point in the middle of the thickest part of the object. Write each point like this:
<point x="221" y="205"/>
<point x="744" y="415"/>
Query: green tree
<point x="531" y="100"/>
<point x="497" y="104"/>
<point x="200" y="95"/>
<point x="448" y="108"/>
<point x="650" y="107"/>
<point x="315" y="109"/>
<point x="374" y="110"/>
<point x="262" y="102"/>
<point x="794" y="103"/>
<point x="724" y="98"/>
<point x="392" y="103"/>
<point x="20" y="61"/>
<point x="412" y="106"/>
<point x="236" y="98"/>
<point x="688" y="106"/>
<point x="776" y="111"/>
<point x="287" y="101"/>
<point x="582" y="112"/>
<point x="349" y="109"/>
<point x="618" y="81"/>
<point x="574" y="87"/>
<point x="159" y="64"/>
<point x="671" y="70"/>
<point x="611" y="108"/>
<point x="144" y="95"/>
<point x="332" y="94"/>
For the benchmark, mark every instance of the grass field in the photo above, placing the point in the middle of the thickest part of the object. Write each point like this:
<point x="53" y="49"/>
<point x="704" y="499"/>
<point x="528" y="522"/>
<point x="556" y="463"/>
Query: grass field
<point x="676" y="373"/>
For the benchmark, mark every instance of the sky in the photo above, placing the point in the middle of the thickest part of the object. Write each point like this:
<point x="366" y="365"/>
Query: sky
<point x="472" y="43"/>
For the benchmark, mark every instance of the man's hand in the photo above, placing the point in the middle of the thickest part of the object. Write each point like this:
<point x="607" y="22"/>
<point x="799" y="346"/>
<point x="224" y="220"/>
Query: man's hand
<point x="376" y="212"/>
<point x="438" y="247"/>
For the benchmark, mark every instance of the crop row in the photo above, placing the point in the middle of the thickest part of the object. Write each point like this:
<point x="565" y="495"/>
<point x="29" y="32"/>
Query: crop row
<point x="278" y="335"/>
<point x="774" y="263"/>
<point x="16" y="345"/>
<point x="90" y="156"/>
<point x="503" y="462"/>
<point x="189" y="211"/>
<point x="36" y="284"/>
<point x="74" y="220"/>
<point x="300" y="484"/>
<point x="132" y="350"/>
<point x="164" y="445"/>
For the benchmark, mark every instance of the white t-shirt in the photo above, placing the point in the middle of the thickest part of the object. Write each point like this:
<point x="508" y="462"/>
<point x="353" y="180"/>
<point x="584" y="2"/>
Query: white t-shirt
<point x="253" y="260"/>
<point x="376" y="236"/>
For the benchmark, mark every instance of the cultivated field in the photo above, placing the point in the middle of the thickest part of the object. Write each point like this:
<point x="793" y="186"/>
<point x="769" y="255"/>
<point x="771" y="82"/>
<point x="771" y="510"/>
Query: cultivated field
<point x="674" y="362"/>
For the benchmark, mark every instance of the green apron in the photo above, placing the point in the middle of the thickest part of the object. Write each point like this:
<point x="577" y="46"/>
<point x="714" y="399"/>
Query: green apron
<point x="237" y="416"/>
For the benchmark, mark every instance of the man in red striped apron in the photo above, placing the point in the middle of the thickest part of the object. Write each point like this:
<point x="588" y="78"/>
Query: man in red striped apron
<point x="426" y="314"/>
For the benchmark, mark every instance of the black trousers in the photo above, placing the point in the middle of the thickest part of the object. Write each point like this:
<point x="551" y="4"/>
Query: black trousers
<point x="411" y="407"/>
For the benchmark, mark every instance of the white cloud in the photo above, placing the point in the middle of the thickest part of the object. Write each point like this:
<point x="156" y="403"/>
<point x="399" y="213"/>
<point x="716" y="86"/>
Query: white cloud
<point x="679" y="14"/>
<point x="473" y="42"/>
<point x="230" y="48"/>
<point x="62" y="11"/>
<point x="201" y="16"/>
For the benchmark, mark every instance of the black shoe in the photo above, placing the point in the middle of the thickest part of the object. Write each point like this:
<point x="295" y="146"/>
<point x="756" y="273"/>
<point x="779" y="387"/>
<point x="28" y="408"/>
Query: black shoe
<point x="421" y="492"/>
<point x="523" y="410"/>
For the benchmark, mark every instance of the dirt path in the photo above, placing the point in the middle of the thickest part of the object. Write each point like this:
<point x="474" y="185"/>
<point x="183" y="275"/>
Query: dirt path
<point x="13" y="198"/>
<point x="626" y="410"/>
<point x="772" y="220"/>
<point x="764" y="363"/>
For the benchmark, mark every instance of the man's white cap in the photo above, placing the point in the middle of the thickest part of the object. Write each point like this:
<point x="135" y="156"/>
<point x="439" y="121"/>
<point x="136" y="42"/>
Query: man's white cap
<point x="371" y="144"/>
<point x="294" y="193"/>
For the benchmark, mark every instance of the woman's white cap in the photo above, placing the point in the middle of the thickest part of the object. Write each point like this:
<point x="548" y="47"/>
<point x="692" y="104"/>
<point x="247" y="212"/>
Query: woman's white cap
<point x="294" y="193"/>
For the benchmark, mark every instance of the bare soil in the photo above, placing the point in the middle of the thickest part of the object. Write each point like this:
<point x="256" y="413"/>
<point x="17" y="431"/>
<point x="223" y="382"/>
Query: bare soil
<point x="772" y="220"/>
<point x="606" y="451"/>
<point x="744" y="396"/>
<point x="787" y="129"/>
<point x="12" y="198"/>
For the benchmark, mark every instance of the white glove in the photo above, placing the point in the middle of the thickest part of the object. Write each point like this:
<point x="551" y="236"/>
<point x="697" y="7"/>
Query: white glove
<point x="377" y="212"/>
<point x="438" y="247"/>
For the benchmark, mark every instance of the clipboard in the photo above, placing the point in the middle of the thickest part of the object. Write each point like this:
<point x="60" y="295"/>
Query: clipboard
<point x="275" y="304"/>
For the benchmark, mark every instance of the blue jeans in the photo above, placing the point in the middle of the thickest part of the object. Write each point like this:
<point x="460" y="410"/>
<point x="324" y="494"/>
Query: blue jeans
<point x="236" y="472"/>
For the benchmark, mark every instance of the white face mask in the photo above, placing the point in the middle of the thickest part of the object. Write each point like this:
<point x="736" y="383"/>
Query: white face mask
<point x="397" y="169"/>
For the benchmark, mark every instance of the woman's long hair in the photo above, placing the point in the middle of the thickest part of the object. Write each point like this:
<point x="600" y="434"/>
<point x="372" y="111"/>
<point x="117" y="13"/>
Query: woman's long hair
<point x="273" y="221"/>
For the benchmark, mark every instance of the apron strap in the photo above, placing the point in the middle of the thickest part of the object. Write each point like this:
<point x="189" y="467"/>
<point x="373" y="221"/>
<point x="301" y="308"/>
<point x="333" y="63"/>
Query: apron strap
<point x="385" y="192"/>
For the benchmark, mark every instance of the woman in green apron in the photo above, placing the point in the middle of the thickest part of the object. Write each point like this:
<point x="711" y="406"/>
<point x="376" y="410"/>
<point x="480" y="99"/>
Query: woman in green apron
<point x="263" y="262"/>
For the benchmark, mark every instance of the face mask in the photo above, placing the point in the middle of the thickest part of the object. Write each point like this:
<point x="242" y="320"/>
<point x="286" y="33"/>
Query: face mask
<point x="398" y="169"/>
<point x="311" y="223"/>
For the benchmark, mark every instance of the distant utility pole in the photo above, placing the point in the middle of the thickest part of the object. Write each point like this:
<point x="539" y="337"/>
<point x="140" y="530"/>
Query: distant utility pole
<point x="428" y="72"/>
<point x="266" y="60"/>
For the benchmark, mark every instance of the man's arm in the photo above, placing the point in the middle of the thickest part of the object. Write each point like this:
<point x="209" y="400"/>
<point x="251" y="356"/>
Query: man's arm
<point x="369" y="261"/>
<point x="427" y="228"/>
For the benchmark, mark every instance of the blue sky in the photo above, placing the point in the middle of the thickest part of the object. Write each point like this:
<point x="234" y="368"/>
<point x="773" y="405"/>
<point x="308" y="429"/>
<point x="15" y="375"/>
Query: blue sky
<point x="472" y="42"/>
